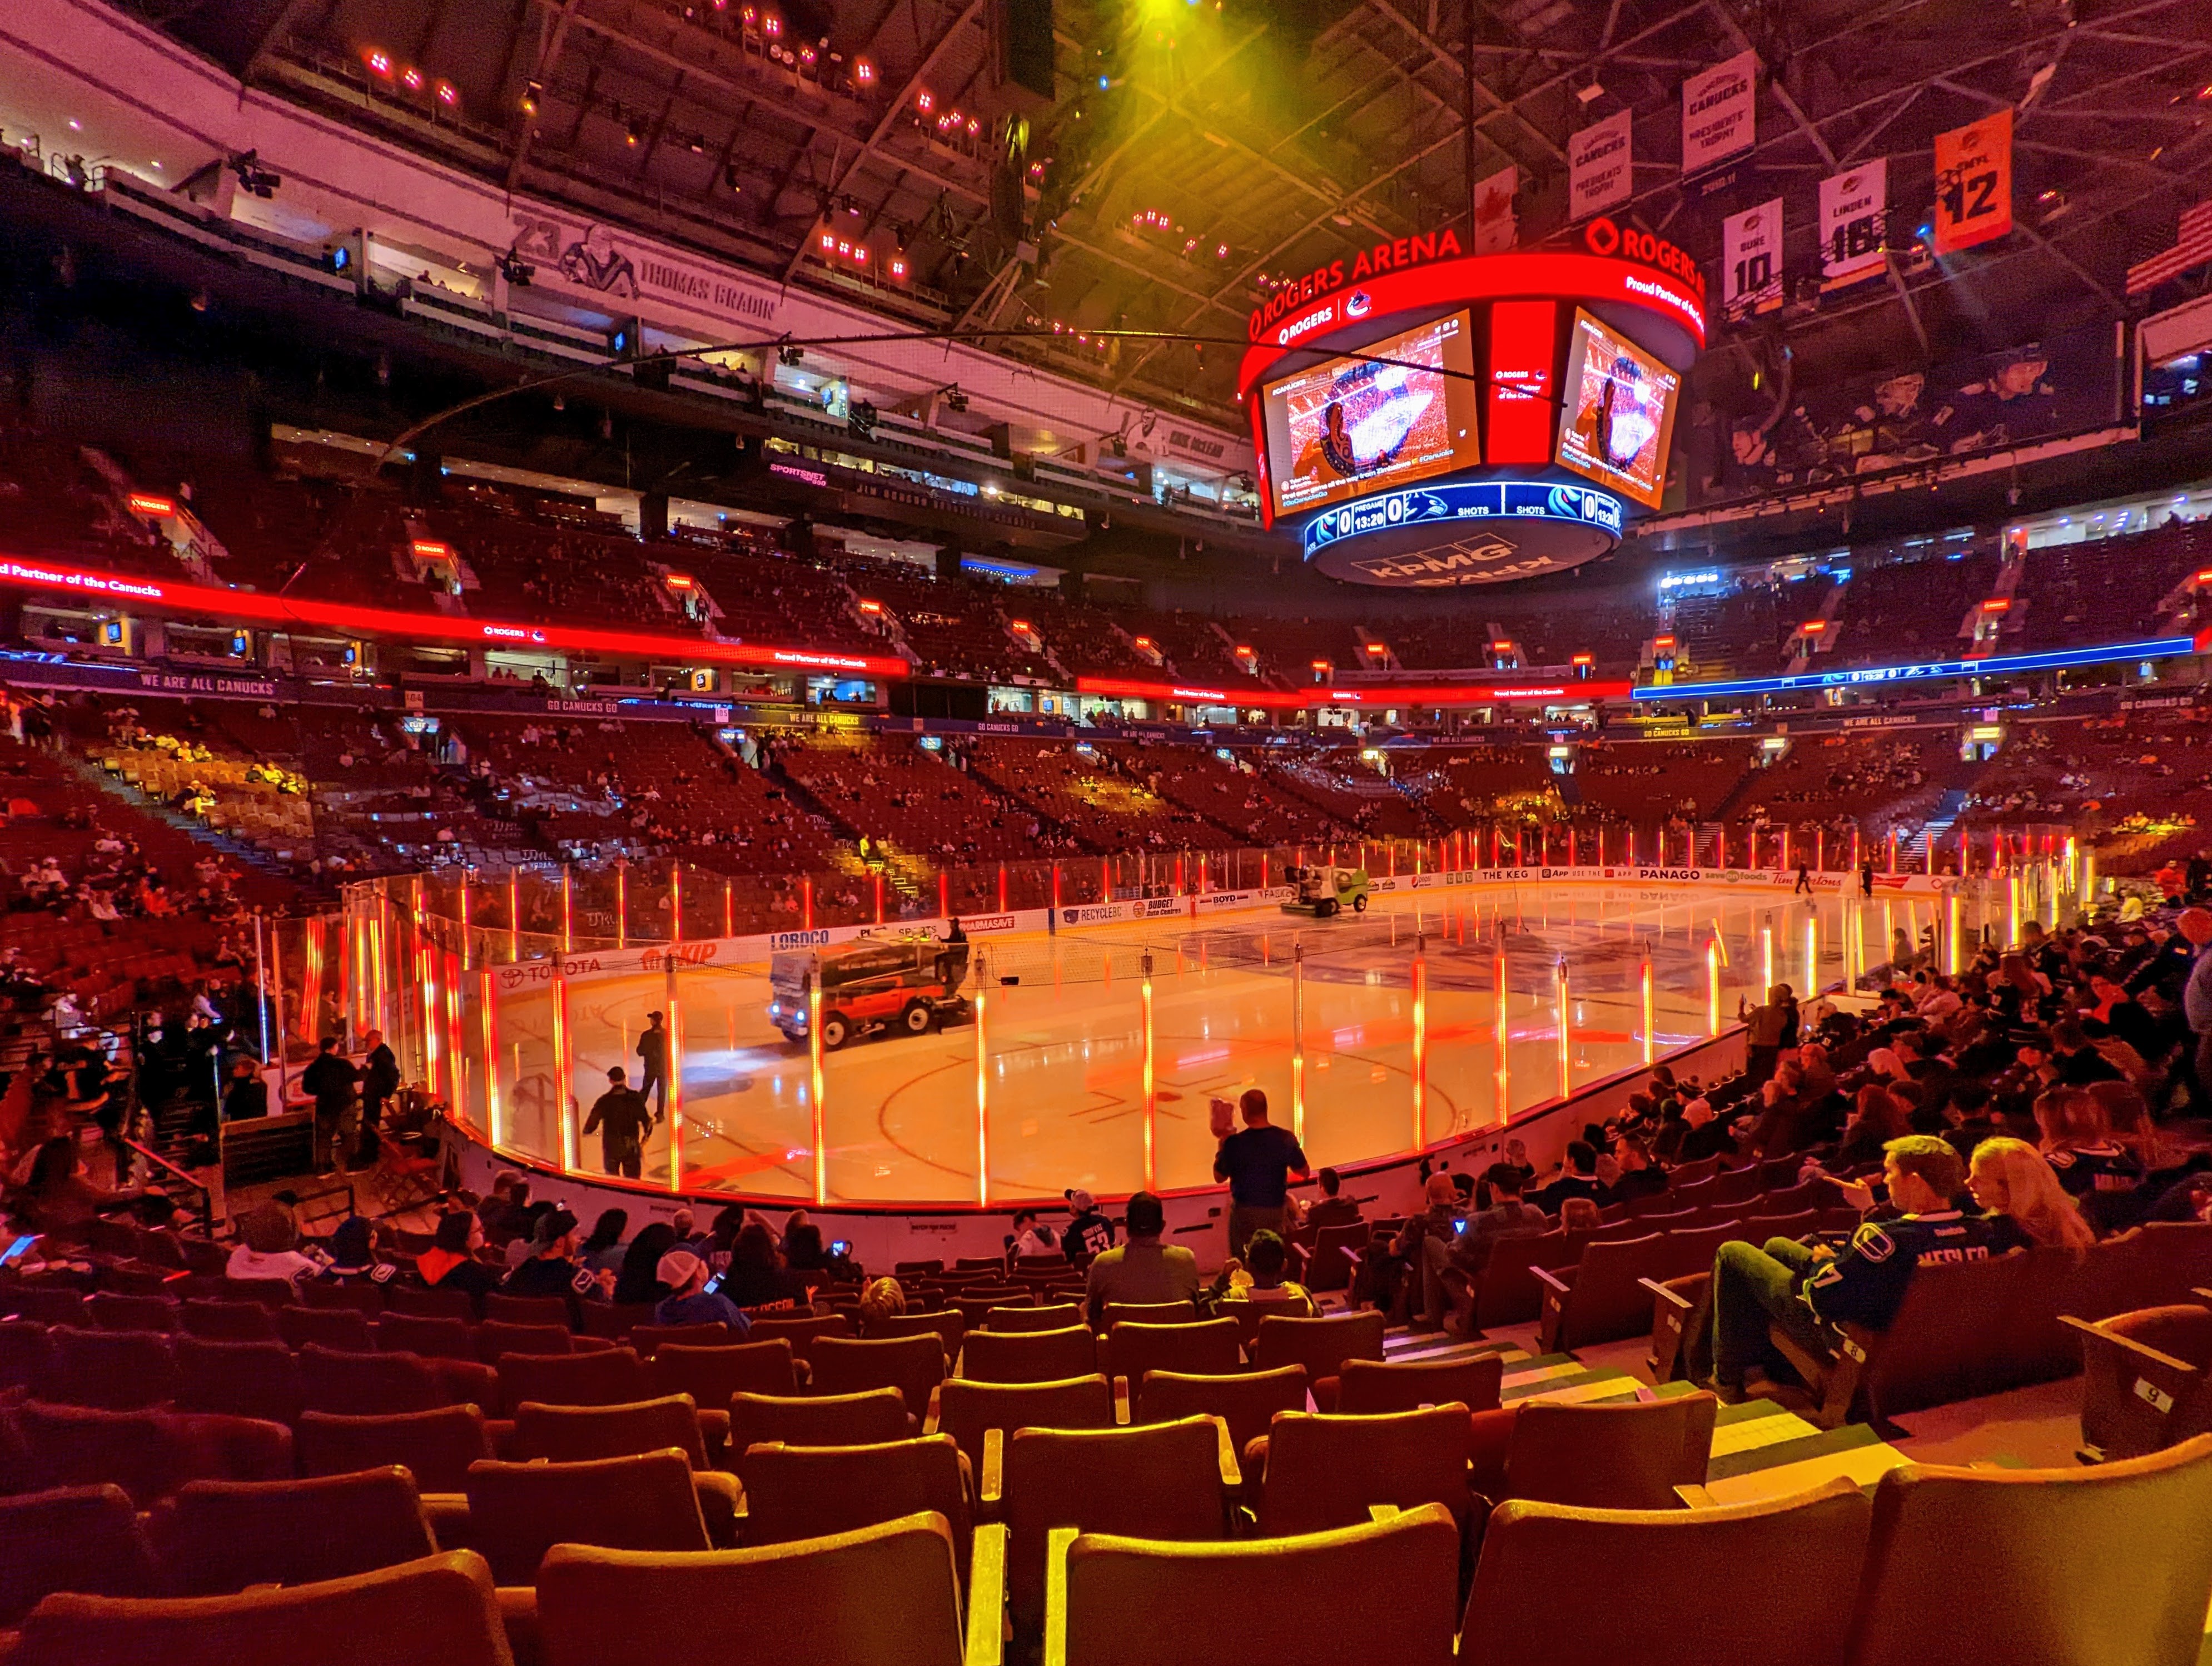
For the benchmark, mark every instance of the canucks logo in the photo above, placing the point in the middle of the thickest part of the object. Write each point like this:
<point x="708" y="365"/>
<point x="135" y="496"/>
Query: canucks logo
<point x="1358" y="305"/>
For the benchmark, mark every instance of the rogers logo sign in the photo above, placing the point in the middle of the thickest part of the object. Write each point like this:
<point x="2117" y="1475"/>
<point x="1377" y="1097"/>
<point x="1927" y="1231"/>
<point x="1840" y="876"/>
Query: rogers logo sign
<point x="1306" y="326"/>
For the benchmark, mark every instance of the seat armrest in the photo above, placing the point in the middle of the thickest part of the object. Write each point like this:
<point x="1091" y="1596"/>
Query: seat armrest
<point x="1121" y="1402"/>
<point x="1057" y="1540"/>
<point x="2142" y="1351"/>
<point x="1695" y="1495"/>
<point x="1379" y="1513"/>
<point x="986" y="1597"/>
<point x="518" y="1614"/>
<point x="1661" y="1294"/>
<point x="929" y="1419"/>
<point x="717" y="1495"/>
<point x="448" y="1515"/>
<point x="991" y="1487"/>
<point x="1555" y="1281"/>
<point x="1232" y="1477"/>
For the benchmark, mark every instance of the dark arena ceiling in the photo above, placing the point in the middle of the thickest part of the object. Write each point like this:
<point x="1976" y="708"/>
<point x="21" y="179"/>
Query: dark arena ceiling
<point x="1265" y="137"/>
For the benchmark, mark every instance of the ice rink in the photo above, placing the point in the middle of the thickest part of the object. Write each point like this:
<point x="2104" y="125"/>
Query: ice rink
<point x="1367" y="1032"/>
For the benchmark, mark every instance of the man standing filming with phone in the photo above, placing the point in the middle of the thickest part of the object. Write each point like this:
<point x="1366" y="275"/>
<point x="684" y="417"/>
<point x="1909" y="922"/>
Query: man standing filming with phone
<point x="1257" y="1162"/>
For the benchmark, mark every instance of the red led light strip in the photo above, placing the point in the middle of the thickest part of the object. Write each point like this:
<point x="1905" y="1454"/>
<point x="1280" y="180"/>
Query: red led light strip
<point x="1411" y="694"/>
<point x="249" y="606"/>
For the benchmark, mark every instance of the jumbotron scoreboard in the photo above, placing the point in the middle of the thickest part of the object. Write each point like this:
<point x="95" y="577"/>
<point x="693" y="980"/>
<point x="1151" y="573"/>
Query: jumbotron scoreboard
<point x="1430" y="418"/>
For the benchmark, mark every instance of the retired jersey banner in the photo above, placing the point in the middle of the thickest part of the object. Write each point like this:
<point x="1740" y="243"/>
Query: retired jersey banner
<point x="1496" y="228"/>
<point x="1973" y="183"/>
<point x="1600" y="169"/>
<point x="1751" y="260"/>
<point x="1854" y="216"/>
<point x="1720" y="112"/>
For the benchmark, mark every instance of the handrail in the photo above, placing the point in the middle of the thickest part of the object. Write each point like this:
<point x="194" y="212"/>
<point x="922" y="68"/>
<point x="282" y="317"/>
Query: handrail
<point x="206" y="1194"/>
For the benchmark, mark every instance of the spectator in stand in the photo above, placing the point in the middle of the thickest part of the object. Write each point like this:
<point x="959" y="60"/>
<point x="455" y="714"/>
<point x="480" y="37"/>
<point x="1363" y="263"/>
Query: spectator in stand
<point x="621" y="1119"/>
<point x="1143" y="1270"/>
<point x="330" y="1080"/>
<point x="1707" y="1135"/>
<point x="603" y="1248"/>
<point x="1877" y="1118"/>
<point x="56" y="1194"/>
<point x="2091" y="1164"/>
<point x="1090" y="1234"/>
<point x="1332" y="1208"/>
<point x="689" y="1302"/>
<point x="757" y="1279"/>
<point x="552" y="1268"/>
<point x="2078" y="1063"/>
<point x="352" y="1254"/>
<point x="450" y="1263"/>
<point x="246" y="1095"/>
<point x="1031" y="1237"/>
<point x="1639" y="1176"/>
<point x="1579" y="1215"/>
<point x="1420" y="1300"/>
<point x="1261" y="1280"/>
<point x="1257" y="1162"/>
<point x="638" y="1281"/>
<point x="501" y="1210"/>
<point x="1807" y="1289"/>
<point x="271" y="1249"/>
<point x="883" y="1299"/>
<point x="2010" y="1177"/>
<point x="1469" y="1252"/>
<point x="1580" y="1180"/>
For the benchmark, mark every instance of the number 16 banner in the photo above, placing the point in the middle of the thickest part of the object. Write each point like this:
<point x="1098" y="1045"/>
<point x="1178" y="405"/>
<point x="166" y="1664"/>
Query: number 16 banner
<point x="1751" y="260"/>
<point x="1973" y="183"/>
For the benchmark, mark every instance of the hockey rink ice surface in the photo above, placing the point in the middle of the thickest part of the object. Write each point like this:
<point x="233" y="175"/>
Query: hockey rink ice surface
<point x="1061" y="1082"/>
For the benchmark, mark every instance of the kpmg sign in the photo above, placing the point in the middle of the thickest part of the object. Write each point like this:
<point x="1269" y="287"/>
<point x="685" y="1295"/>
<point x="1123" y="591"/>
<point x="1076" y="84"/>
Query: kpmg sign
<point x="1462" y="533"/>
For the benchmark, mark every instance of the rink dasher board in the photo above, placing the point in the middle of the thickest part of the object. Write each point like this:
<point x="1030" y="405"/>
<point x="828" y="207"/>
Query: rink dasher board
<point x="750" y="954"/>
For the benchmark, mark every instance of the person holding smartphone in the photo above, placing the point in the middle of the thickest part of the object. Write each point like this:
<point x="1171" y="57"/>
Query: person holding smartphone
<point x="1257" y="1162"/>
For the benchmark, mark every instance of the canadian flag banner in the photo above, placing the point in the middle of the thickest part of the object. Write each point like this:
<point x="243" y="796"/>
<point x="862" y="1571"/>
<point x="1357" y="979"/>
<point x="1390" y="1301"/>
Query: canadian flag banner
<point x="1496" y="227"/>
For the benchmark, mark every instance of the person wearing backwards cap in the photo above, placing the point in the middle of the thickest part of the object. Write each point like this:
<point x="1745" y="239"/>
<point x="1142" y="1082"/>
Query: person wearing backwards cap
<point x="1090" y="1234"/>
<point x="552" y="1269"/>
<point x="689" y="1302"/>
<point x="352" y="1250"/>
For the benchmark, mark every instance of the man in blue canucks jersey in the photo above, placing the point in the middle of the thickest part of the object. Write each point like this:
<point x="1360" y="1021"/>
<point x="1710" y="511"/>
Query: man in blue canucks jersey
<point x="1809" y="1289"/>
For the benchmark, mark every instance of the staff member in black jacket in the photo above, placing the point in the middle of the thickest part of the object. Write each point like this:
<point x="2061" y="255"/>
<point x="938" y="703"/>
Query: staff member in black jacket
<point x="380" y="1078"/>
<point x="653" y="1062"/>
<point x="621" y="1120"/>
<point x="330" y="1079"/>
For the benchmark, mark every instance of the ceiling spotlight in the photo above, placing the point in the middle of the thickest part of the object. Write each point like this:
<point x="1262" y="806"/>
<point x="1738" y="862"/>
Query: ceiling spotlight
<point x="632" y="133"/>
<point x="411" y="79"/>
<point x="730" y="177"/>
<point x="1589" y="94"/>
<point x="531" y="92"/>
<point x="1341" y="218"/>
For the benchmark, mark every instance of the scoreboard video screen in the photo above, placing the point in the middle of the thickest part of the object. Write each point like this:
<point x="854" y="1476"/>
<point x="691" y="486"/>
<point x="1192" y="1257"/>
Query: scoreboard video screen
<point x="1350" y="426"/>
<point x="1617" y="412"/>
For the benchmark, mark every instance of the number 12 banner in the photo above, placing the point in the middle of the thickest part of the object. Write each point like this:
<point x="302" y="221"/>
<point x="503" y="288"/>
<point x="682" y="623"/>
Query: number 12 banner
<point x="1751" y="260"/>
<point x="1973" y="183"/>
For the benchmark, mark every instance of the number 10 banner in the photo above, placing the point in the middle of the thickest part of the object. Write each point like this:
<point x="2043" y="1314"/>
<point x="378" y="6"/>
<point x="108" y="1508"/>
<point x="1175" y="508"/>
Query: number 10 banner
<point x="1751" y="260"/>
<point x="1973" y="183"/>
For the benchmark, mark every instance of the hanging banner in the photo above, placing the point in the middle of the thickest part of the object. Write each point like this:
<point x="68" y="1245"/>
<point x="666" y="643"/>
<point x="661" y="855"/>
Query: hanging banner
<point x="1720" y="112"/>
<point x="1854" y="216"/>
<point x="1751" y="260"/>
<point x="1600" y="169"/>
<point x="1973" y="183"/>
<point x="1496" y="227"/>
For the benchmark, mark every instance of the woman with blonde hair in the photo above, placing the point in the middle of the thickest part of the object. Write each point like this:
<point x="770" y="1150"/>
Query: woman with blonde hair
<point x="2010" y="1177"/>
<point x="883" y="1299"/>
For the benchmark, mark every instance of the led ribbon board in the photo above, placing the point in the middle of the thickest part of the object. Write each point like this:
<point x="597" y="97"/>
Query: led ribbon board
<point x="1463" y="532"/>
